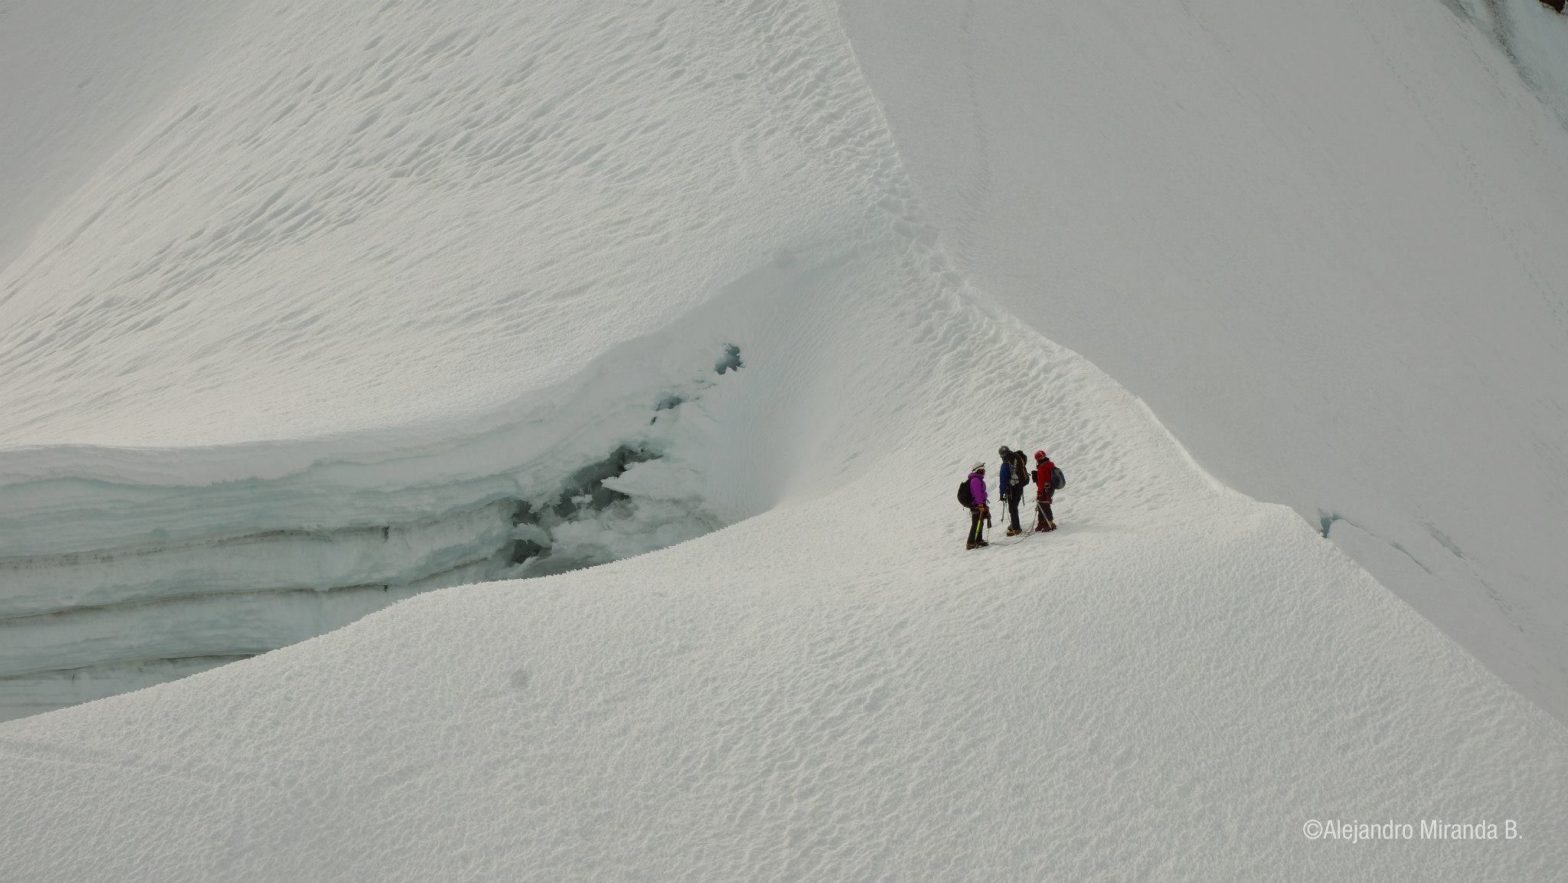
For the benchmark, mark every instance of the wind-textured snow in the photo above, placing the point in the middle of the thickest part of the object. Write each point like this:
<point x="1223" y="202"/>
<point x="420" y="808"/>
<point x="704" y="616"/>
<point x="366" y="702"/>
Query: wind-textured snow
<point x="1325" y="242"/>
<point x="381" y="228"/>
<point x="386" y="264"/>
<point x="78" y="77"/>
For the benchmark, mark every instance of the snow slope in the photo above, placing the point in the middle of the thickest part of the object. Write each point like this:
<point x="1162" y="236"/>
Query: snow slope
<point x="310" y="267"/>
<point x="576" y="218"/>
<point x="77" y="80"/>
<point x="1325" y="242"/>
<point x="1171" y="685"/>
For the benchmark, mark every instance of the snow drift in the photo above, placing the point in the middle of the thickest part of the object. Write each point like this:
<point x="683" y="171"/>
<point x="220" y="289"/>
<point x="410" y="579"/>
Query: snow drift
<point x="471" y="270"/>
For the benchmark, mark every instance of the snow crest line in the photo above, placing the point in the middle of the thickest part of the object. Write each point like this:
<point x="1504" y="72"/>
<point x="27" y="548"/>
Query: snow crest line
<point x="825" y="687"/>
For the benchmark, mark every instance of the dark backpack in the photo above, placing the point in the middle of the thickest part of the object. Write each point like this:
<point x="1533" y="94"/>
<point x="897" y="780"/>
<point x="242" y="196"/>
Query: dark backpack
<point x="1058" y="480"/>
<point x="964" y="497"/>
<point x="1020" y="469"/>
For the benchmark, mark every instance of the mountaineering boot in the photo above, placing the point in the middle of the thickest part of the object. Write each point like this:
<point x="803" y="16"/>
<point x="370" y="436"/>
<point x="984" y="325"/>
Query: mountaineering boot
<point x="971" y="545"/>
<point x="1013" y="531"/>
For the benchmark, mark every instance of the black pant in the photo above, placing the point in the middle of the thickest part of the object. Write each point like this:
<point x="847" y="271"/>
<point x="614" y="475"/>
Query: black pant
<point x="1014" y="496"/>
<point x="1042" y="513"/>
<point x="976" y="524"/>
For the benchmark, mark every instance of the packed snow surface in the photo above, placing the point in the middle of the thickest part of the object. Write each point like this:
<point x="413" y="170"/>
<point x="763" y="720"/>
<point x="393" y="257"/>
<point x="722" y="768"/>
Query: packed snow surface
<point x="378" y="291"/>
<point x="1327" y="243"/>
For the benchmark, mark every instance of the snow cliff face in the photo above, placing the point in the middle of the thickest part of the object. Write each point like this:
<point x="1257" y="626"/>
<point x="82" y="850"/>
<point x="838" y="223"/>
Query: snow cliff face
<point x="327" y="315"/>
<point x="606" y="278"/>
<point x="112" y="579"/>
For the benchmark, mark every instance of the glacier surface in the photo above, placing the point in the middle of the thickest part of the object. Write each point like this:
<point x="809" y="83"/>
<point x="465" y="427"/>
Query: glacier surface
<point x="1324" y="243"/>
<point x="375" y="293"/>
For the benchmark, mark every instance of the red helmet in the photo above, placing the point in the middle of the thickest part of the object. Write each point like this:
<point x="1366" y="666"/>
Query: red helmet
<point x="1039" y="455"/>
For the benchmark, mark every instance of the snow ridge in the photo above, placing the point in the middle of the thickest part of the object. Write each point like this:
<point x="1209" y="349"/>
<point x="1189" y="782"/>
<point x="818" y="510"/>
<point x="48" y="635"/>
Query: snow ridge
<point x="822" y="688"/>
<point x="1322" y="241"/>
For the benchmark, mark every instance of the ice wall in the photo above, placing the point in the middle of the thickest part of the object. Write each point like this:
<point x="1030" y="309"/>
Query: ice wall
<point x="336" y="314"/>
<point x="111" y="585"/>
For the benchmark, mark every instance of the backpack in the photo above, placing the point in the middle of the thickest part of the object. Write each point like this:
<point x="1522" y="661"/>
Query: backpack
<point x="1020" y="468"/>
<point x="964" y="497"/>
<point x="1058" y="480"/>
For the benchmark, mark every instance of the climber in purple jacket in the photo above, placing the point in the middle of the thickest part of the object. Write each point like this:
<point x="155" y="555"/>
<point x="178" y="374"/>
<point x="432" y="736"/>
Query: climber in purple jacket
<point x="979" y="513"/>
